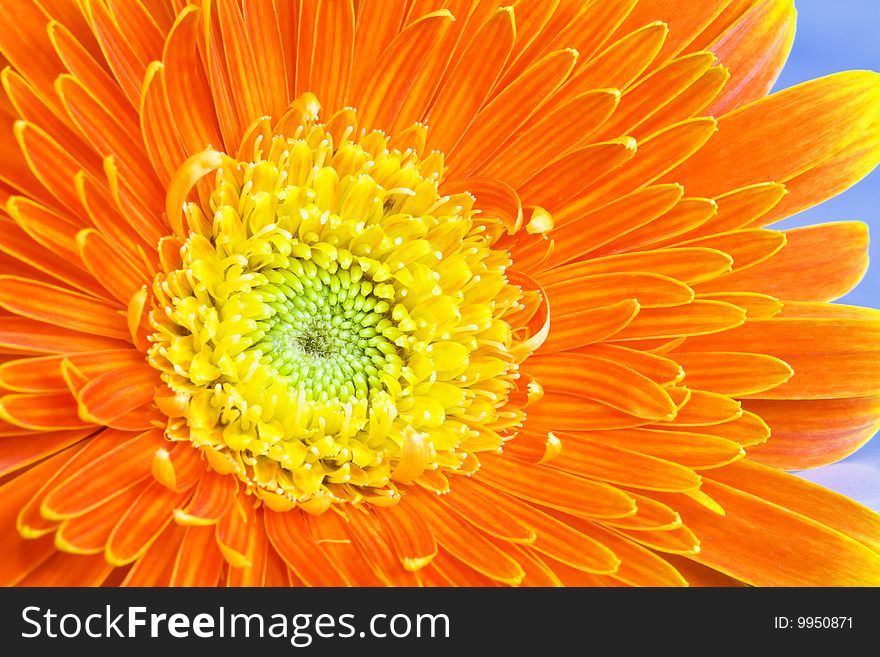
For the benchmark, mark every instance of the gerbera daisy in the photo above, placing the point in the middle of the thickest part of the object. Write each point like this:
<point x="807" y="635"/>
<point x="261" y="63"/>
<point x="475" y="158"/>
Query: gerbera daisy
<point x="427" y="293"/>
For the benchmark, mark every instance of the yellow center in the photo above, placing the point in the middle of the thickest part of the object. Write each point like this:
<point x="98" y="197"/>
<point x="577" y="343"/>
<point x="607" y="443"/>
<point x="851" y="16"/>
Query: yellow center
<point x="333" y="326"/>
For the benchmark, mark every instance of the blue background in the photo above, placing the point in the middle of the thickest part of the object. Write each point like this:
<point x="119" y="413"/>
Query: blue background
<point x="836" y="36"/>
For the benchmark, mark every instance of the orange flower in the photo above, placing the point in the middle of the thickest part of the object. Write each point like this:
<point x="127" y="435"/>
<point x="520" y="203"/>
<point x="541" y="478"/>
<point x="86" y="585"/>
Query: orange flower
<point x="331" y="292"/>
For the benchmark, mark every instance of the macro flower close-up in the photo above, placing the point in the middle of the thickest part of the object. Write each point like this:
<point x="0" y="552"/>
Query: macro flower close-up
<point x="428" y="293"/>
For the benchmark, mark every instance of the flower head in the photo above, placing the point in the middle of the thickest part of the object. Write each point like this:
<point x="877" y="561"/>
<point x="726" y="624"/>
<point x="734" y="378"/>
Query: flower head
<point x="370" y="293"/>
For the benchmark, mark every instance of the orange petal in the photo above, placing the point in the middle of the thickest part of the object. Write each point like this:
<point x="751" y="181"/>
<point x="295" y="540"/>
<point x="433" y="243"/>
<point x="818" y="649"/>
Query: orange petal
<point x="64" y="308"/>
<point x="582" y="229"/>
<point x="685" y="21"/>
<point x="116" y="393"/>
<point x="689" y="265"/>
<point x="554" y="489"/>
<point x="233" y="532"/>
<point x="806" y="269"/>
<point x="119" y="52"/>
<point x="155" y="566"/>
<point x="696" y="318"/>
<point x="754" y="49"/>
<point x="46" y="227"/>
<point x="563" y="127"/>
<point x="463" y="542"/>
<point x="688" y="449"/>
<point x="810" y="115"/>
<point x="19" y="245"/>
<point x="687" y="215"/>
<point x="537" y="572"/>
<point x="748" y="430"/>
<point x="109" y="137"/>
<point x="650" y="515"/>
<point x="733" y="373"/>
<point x="103" y="477"/>
<point x="199" y="562"/>
<point x="402" y="64"/>
<point x="659" y="369"/>
<point x="290" y="537"/>
<point x="82" y="65"/>
<point x="31" y="521"/>
<point x="209" y="501"/>
<point x="757" y="306"/>
<point x="142" y="523"/>
<point x="843" y="169"/>
<point x="604" y="381"/>
<point x="332" y="536"/>
<point x="650" y="93"/>
<point x="586" y="327"/>
<point x="702" y="408"/>
<point x="466" y="87"/>
<point x="186" y="84"/>
<point x="621" y="63"/>
<point x="43" y="412"/>
<point x="409" y="534"/>
<point x="505" y="114"/>
<point x="804" y="497"/>
<point x="811" y="433"/>
<point x="121" y="277"/>
<point x="333" y="52"/>
<point x="557" y="411"/>
<point x="62" y="570"/>
<point x="88" y="533"/>
<point x="650" y="290"/>
<point x="832" y="358"/>
<point x="638" y="565"/>
<point x="566" y="178"/>
<point x="748" y="246"/>
<point x="161" y="140"/>
<point x="32" y="108"/>
<point x="256" y="554"/>
<point x="19" y="452"/>
<point x="745" y="207"/>
<point x="369" y="534"/>
<point x="482" y="508"/>
<point x="377" y="24"/>
<point x="657" y="154"/>
<point x="20" y="555"/>
<point x="765" y="544"/>
<point x="586" y="456"/>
